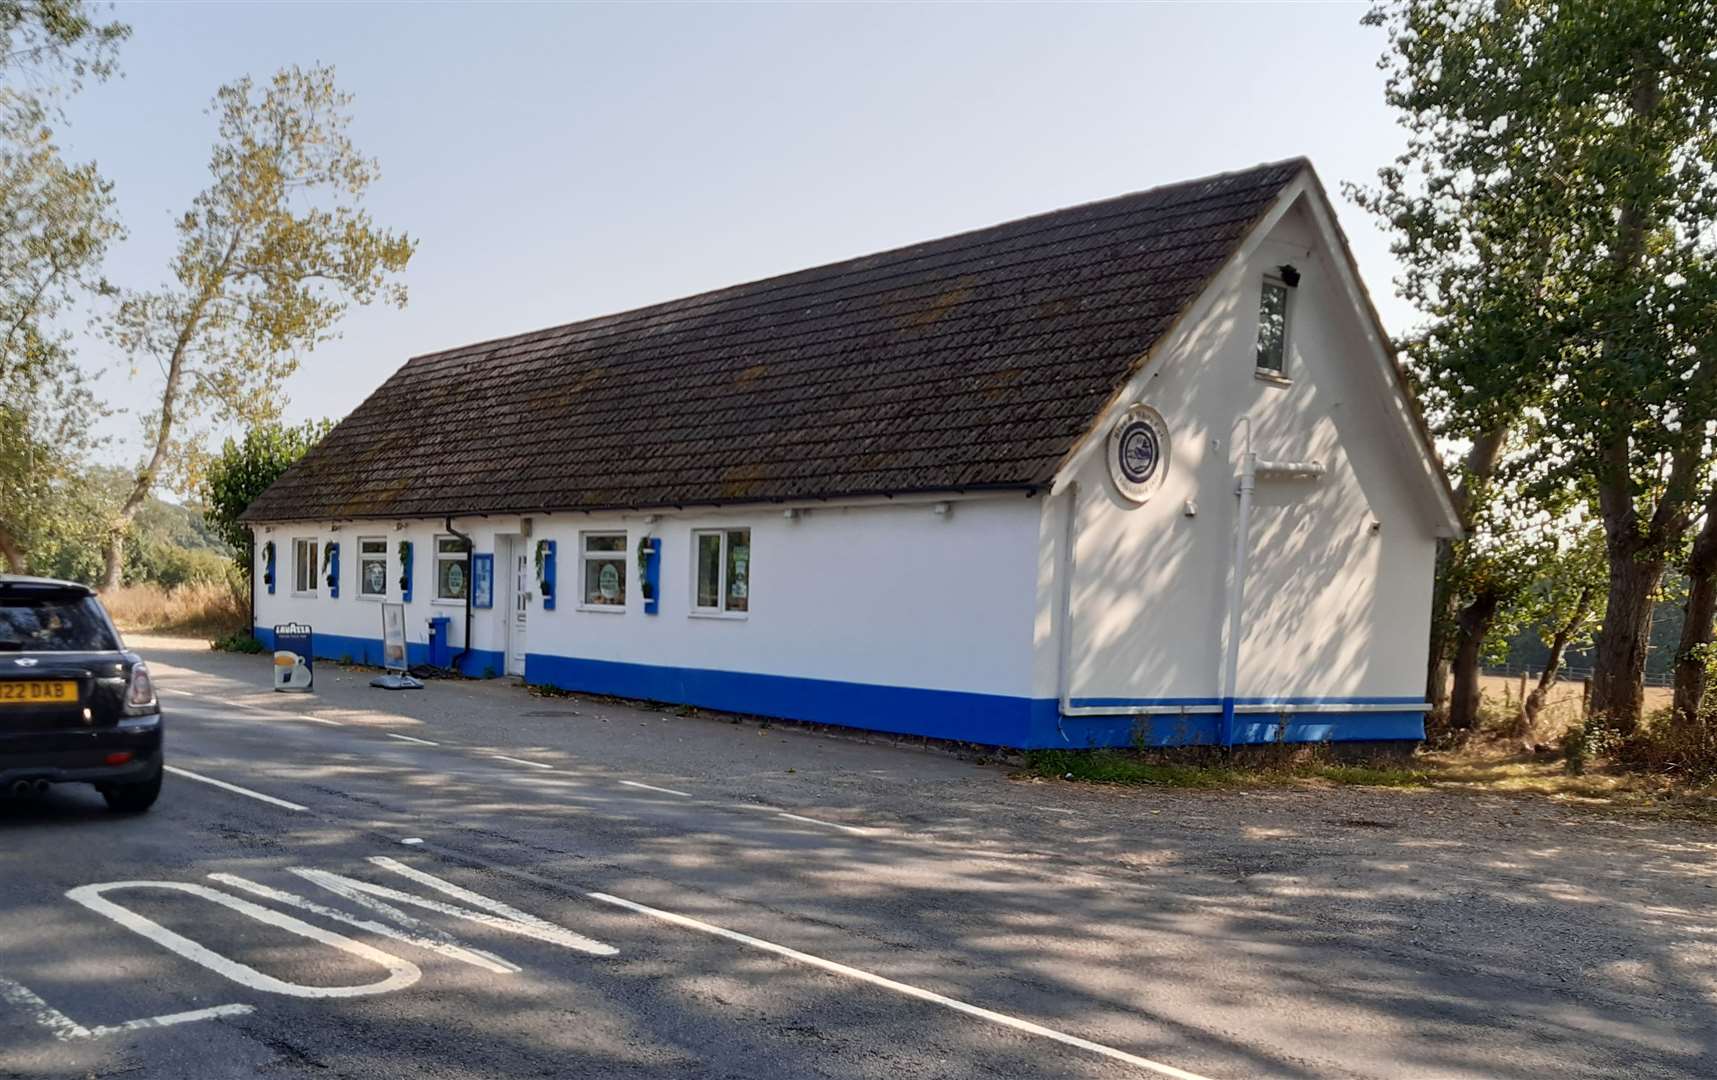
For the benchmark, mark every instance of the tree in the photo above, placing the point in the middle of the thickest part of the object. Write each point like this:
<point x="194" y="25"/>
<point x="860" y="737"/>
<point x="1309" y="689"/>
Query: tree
<point x="244" y="469"/>
<point x="1693" y="659"/>
<point x="1563" y="605"/>
<point x="270" y="256"/>
<point x="1561" y="172"/>
<point x="56" y="221"/>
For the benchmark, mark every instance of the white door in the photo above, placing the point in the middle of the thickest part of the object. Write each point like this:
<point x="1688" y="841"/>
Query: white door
<point x="521" y="602"/>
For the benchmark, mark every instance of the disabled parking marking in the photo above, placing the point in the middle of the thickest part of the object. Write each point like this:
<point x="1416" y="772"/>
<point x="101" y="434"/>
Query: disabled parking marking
<point x="65" y="1029"/>
<point x="400" y="973"/>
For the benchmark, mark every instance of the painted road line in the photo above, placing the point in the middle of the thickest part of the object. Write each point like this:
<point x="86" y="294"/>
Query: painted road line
<point x="317" y="719"/>
<point x="906" y="989"/>
<point x="66" y="1029"/>
<point x="234" y="788"/>
<point x="171" y="1019"/>
<point x="652" y="787"/>
<point x="521" y="761"/>
<point x="778" y="812"/>
<point x="410" y="739"/>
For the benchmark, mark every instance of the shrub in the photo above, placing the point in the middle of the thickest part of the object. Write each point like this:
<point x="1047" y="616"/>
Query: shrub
<point x="238" y="643"/>
<point x="205" y="609"/>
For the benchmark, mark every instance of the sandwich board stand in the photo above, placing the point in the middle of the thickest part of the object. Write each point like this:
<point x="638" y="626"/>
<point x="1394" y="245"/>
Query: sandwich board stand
<point x="293" y="668"/>
<point x="393" y="652"/>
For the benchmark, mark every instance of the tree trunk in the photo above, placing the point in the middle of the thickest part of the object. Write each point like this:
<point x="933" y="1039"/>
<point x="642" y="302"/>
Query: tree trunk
<point x="1534" y="703"/>
<point x="1472" y="625"/>
<point x="1618" y="673"/>
<point x="13" y="553"/>
<point x="1696" y="628"/>
<point x="1481" y="463"/>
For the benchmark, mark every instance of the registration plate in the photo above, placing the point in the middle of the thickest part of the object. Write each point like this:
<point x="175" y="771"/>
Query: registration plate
<point x="38" y="691"/>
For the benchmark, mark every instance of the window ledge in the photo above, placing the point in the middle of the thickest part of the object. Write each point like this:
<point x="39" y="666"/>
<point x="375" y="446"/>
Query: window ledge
<point x="372" y="598"/>
<point x="611" y="609"/>
<point x="734" y="616"/>
<point x="1274" y="378"/>
<point x="439" y="602"/>
<point x="303" y="595"/>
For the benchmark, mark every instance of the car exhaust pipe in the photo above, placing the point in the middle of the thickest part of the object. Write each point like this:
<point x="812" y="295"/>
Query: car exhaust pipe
<point x="39" y="788"/>
<point x="20" y="789"/>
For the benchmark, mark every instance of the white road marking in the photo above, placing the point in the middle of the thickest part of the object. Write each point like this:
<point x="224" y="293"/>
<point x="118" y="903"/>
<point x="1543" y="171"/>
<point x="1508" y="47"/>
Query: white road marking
<point x="65" y="1028"/>
<point x="495" y="914"/>
<point x="652" y="787"/>
<point x="189" y="775"/>
<point x="409" y="738"/>
<point x="181" y="693"/>
<point x="174" y="1018"/>
<point x="411" y="840"/>
<point x="319" y="720"/>
<point x="1057" y="810"/>
<point x="521" y="761"/>
<point x="400" y="973"/>
<point x="901" y="988"/>
<point x="778" y="812"/>
<point x="416" y="933"/>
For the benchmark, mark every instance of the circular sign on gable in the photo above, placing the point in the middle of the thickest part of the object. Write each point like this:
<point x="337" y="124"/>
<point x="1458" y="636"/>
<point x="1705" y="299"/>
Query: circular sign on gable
<point x="1139" y="453"/>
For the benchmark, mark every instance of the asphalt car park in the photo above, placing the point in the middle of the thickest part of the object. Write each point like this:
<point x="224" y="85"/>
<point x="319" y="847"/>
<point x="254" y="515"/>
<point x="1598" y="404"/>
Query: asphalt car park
<point x="477" y="882"/>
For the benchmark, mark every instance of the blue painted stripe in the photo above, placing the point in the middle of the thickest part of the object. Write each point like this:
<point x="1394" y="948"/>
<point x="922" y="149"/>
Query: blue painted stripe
<point x="988" y="719"/>
<point x="478" y="663"/>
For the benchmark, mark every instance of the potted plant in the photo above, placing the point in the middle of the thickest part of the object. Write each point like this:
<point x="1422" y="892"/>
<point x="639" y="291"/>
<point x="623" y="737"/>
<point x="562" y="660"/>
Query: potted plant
<point x="543" y="583"/>
<point x="327" y="563"/>
<point x="644" y="568"/>
<point x="268" y="563"/>
<point x="405" y="566"/>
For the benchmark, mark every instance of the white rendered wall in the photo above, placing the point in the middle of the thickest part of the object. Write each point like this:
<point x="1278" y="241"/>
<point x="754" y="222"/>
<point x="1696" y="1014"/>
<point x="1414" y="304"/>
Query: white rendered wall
<point x="889" y="594"/>
<point x="1331" y="608"/>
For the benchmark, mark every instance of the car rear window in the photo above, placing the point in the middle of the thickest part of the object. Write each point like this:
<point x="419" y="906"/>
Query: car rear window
<point x="53" y="623"/>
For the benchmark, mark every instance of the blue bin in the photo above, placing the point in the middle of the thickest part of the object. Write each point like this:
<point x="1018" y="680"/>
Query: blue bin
<point x="440" y="649"/>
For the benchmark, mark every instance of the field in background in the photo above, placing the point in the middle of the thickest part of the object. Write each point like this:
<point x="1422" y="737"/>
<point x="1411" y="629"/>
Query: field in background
<point x="202" y="610"/>
<point x="1502" y="699"/>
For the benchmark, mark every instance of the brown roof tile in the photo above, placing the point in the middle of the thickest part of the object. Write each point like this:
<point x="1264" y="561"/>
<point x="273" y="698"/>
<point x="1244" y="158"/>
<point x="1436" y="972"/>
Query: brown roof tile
<point x="975" y="361"/>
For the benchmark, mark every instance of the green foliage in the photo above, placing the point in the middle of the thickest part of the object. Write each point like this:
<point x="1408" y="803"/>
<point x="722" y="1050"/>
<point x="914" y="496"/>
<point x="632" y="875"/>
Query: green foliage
<point x="270" y="256"/>
<point x="245" y="468"/>
<point x="236" y="643"/>
<point x="1121" y="767"/>
<point x="56" y="221"/>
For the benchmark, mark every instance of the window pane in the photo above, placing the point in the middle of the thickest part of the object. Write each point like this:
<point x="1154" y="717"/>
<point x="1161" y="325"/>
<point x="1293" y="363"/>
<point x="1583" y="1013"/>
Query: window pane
<point x="1272" y="325"/>
<point x="373" y="576"/>
<point x="450" y="579"/>
<point x="738" y="569"/>
<point x="53" y="624"/>
<point x="372" y="547"/>
<point x="605" y="543"/>
<point x="450" y="545"/>
<point x="605" y="581"/>
<point x="709" y="570"/>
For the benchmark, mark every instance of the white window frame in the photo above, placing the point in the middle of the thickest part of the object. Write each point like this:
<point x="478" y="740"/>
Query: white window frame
<point x="387" y="572"/>
<point x="720" y="611"/>
<point x="437" y="557"/>
<point x="315" y="575"/>
<point x="623" y="556"/>
<point x="1269" y="373"/>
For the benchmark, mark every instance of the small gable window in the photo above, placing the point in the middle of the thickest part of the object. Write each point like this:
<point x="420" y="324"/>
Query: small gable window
<point x="1273" y="325"/>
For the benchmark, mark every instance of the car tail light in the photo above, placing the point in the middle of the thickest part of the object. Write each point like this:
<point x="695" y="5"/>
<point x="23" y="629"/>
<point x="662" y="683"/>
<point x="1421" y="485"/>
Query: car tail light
<point x="141" y="692"/>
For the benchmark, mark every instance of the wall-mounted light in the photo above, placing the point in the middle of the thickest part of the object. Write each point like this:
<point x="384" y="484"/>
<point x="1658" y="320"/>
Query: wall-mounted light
<point x="942" y="509"/>
<point x="525" y="527"/>
<point x="1376" y="527"/>
<point x="1190" y="508"/>
<point x="1290" y="276"/>
<point x="651" y="519"/>
<point x="791" y="513"/>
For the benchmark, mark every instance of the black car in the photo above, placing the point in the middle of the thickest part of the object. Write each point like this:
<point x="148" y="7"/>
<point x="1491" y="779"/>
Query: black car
<point x="76" y="707"/>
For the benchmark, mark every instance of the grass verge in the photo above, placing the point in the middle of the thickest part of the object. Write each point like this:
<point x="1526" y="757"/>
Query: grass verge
<point x="1125" y="767"/>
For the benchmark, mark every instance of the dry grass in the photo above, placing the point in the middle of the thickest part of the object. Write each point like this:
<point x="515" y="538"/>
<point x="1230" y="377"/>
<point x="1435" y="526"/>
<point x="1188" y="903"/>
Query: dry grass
<point x="203" y="610"/>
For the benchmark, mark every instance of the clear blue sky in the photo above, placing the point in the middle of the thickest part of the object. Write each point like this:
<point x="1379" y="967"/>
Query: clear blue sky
<point x="557" y="162"/>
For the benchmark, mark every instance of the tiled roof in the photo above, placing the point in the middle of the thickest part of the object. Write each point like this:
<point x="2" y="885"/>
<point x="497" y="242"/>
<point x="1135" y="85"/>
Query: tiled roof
<point x="975" y="361"/>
